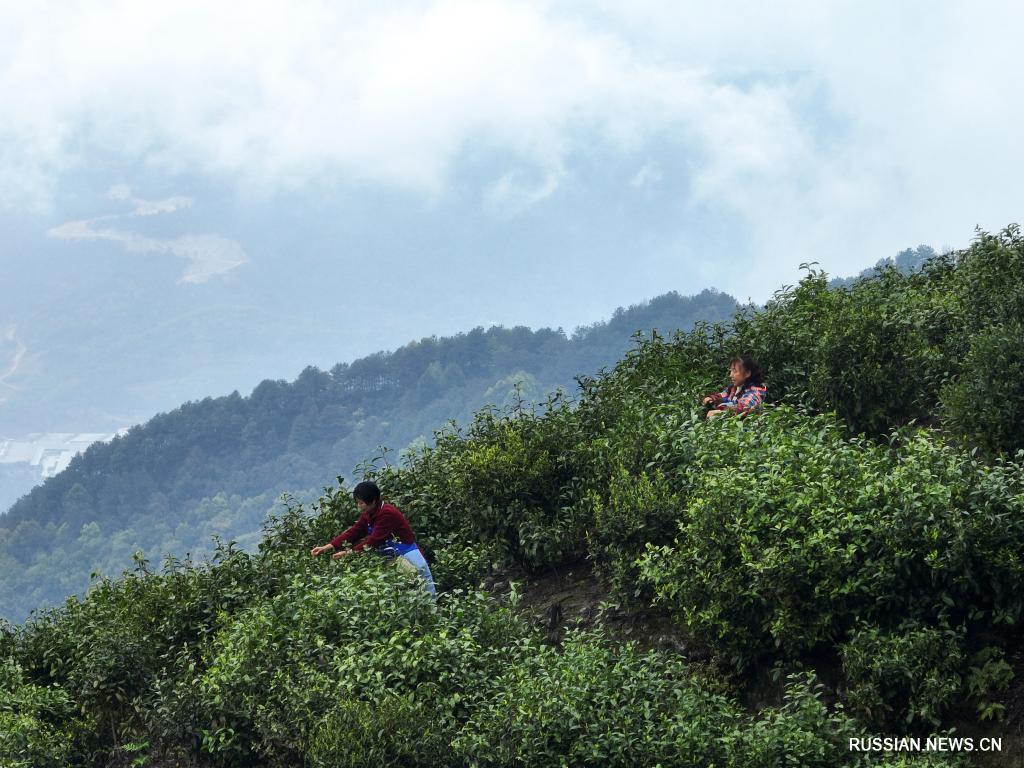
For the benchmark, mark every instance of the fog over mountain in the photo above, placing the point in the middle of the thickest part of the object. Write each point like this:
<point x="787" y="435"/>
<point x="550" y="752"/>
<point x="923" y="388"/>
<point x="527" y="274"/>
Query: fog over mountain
<point x="180" y="221"/>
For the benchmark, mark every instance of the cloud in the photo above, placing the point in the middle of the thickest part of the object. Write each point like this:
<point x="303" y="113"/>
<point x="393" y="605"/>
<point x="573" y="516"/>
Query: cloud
<point x="206" y="255"/>
<point x="122" y="192"/>
<point x="14" y="350"/>
<point x="864" y="127"/>
<point x="284" y="95"/>
<point x="516" y="191"/>
<point x="649" y="175"/>
<point x="824" y="130"/>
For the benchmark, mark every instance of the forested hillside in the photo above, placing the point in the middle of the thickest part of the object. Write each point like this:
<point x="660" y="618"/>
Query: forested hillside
<point x="217" y="466"/>
<point x="906" y="261"/>
<point x="848" y="564"/>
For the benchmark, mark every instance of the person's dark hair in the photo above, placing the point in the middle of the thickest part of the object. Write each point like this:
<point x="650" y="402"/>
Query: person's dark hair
<point x="366" y="491"/>
<point x="756" y="378"/>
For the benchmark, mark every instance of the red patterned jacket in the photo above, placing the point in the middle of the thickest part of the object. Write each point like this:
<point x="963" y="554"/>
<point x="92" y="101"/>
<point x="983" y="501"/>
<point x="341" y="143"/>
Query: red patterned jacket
<point x="746" y="398"/>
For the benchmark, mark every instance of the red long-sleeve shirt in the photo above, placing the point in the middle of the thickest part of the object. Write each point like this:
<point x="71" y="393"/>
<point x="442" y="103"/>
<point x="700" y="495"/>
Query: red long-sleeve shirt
<point x="386" y="521"/>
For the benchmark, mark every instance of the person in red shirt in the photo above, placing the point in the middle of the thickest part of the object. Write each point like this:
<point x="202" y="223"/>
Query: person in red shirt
<point x="382" y="528"/>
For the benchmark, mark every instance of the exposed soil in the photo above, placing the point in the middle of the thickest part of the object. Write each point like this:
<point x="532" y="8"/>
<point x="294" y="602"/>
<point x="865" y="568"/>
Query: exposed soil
<point x="573" y="596"/>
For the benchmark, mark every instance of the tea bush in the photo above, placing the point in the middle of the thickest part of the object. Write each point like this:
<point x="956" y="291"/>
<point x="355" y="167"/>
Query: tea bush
<point x="986" y="402"/>
<point x="879" y="353"/>
<point x="988" y="673"/>
<point x="460" y="566"/>
<point x="504" y="482"/>
<point x="397" y="730"/>
<point x="589" y="704"/>
<point x="639" y="510"/>
<point x="906" y="677"/>
<point x="804" y="732"/>
<point x="348" y="635"/>
<point x="794" y="531"/>
<point x="35" y="721"/>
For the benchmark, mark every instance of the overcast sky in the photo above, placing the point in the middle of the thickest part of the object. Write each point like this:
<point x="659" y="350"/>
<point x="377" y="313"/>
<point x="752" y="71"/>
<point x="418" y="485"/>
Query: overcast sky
<point x="465" y="163"/>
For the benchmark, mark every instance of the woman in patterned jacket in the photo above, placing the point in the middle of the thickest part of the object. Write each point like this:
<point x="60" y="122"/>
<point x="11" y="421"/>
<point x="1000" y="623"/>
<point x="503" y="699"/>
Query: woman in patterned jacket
<point x="745" y="395"/>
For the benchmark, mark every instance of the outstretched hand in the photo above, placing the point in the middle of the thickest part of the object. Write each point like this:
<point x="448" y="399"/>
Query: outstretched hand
<point x="340" y="554"/>
<point x="320" y="550"/>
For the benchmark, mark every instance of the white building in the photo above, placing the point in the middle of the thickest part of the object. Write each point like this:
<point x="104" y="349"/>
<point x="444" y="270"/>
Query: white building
<point x="50" y="452"/>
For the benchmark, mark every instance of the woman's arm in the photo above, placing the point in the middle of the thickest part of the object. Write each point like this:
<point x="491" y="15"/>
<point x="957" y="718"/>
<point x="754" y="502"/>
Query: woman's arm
<point x="355" y="533"/>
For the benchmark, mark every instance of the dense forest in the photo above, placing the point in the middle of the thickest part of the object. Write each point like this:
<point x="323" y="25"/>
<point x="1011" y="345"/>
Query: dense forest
<point x="847" y="564"/>
<point x="216" y="467"/>
<point x="906" y="261"/>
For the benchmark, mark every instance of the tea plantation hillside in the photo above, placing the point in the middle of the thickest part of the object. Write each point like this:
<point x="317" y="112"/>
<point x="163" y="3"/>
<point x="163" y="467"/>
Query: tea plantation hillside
<point x="217" y="466"/>
<point x="847" y="565"/>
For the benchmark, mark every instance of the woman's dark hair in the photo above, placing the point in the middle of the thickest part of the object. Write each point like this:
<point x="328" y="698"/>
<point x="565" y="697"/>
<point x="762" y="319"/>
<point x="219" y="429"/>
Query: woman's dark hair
<point x="366" y="491"/>
<point x="756" y="378"/>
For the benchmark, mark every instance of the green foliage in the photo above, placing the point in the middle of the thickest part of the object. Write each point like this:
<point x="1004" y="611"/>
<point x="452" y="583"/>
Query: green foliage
<point x="35" y="721"/>
<point x="879" y="351"/>
<point x="460" y="566"/>
<point x="986" y="402"/>
<point x="804" y="732"/>
<point x="336" y="642"/>
<point x="279" y="659"/>
<point x="506" y="481"/>
<point x="800" y="732"/>
<point x="793" y="532"/>
<point x="588" y="704"/>
<point x="639" y="510"/>
<point x="398" y="730"/>
<point x="989" y="673"/>
<point x="904" y="678"/>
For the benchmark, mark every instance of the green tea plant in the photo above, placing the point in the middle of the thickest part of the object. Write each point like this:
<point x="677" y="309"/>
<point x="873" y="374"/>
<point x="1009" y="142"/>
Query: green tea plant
<point x="805" y="732"/>
<point x="794" y="531"/>
<point x="337" y="640"/>
<point x="590" y="704"/>
<point x="903" y="678"/>
<point x="985" y="403"/>
<point x="988" y="673"/>
<point x="35" y="721"/>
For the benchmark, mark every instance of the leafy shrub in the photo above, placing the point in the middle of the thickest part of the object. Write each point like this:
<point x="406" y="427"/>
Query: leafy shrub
<point x="878" y="353"/>
<point x="785" y="336"/>
<point x="986" y="402"/>
<point x="461" y="566"/>
<point x="35" y="721"/>
<point x="394" y="730"/>
<point x="904" y="678"/>
<point x="804" y="732"/>
<point x="640" y="510"/>
<point x="131" y="641"/>
<point x="793" y="532"/>
<point x="505" y="482"/>
<point x="801" y="732"/>
<point x="335" y="643"/>
<point x="590" y="704"/>
<point x="988" y="673"/>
